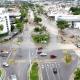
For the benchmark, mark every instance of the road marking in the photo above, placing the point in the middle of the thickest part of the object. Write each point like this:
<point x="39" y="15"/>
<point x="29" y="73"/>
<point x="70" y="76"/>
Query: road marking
<point x="52" y="70"/>
<point x="47" y="72"/>
<point x="57" y="70"/>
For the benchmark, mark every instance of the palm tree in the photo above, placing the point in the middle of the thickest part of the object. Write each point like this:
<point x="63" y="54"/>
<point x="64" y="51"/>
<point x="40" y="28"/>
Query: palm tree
<point x="67" y="57"/>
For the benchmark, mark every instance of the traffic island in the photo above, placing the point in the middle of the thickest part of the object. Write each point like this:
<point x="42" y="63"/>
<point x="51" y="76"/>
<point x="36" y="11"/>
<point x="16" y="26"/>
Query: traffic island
<point x="34" y="72"/>
<point x="40" y="35"/>
<point x="2" y="74"/>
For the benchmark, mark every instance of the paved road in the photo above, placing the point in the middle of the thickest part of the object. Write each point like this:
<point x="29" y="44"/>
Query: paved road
<point x="26" y="51"/>
<point x="63" y="70"/>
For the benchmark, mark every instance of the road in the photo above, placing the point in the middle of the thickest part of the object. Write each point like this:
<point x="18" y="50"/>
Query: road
<point x="63" y="70"/>
<point x="26" y="51"/>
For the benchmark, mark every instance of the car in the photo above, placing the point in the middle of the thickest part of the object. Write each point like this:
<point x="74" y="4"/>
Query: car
<point x="5" y="64"/>
<point x="55" y="70"/>
<point x="40" y="48"/>
<point x="39" y="52"/>
<point x="52" y="56"/>
<point x="43" y="54"/>
<point x="78" y="45"/>
<point x="13" y="77"/>
<point x="6" y="52"/>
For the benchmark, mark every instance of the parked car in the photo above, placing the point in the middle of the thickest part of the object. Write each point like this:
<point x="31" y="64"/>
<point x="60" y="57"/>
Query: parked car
<point x="52" y="56"/>
<point x="55" y="70"/>
<point x="5" y="64"/>
<point x="43" y="54"/>
<point x="13" y="77"/>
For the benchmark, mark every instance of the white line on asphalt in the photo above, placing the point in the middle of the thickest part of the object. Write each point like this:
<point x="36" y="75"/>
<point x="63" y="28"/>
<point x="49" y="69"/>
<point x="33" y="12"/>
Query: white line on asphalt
<point x="57" y="70"/>
<point x="52" y="70"/>
<point x="47" y="72"/>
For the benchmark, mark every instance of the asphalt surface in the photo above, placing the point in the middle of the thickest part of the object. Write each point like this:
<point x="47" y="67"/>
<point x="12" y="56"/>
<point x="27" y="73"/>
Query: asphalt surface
<point x="64" y="71"/>
<point x="26" y="52"/>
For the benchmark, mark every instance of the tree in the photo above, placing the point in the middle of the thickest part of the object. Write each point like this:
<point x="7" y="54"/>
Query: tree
<point x="62" y="24"/>
<point x="17" y="20"/>
<point x="68" y="58"/>
<point x="75" y="10"/>
<point x="19" y="26"/>
<point x="12" y="27"/>
<point x="1" y="27"/>
<point x="77" y="74"/>
<point x="37" y="19"/>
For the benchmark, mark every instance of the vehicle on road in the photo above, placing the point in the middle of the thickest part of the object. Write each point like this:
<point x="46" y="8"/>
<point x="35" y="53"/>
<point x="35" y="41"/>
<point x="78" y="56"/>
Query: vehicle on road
<point x="39" y="52"/>
<point x="5" y="64"/>
<point x="78" y="45"/>
<point x="43" y="54"/>
<point x="55" y="70"/>
<point x="13" y="77"/>
<point x="2" y="51"/>
<point x="52" y="56"/>
<point x="40" y="48"/>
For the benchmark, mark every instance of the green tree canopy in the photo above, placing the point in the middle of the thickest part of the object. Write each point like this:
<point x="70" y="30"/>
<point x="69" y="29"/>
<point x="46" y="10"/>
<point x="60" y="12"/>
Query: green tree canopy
<point x="77" y="74"/>
<point x="75" y="10"/>
<point x="62" y="24"/>
<point x="19" y="26"/>
<point x="37" y="19"/>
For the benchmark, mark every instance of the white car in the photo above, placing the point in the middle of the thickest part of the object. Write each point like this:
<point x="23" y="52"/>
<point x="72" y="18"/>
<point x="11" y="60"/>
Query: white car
<point x="5" y="64"/>
<point x="6" y="52"/>
<point x="78" y="45"/>
<point x="43" y="54"/>
<point x="13" y="77"/>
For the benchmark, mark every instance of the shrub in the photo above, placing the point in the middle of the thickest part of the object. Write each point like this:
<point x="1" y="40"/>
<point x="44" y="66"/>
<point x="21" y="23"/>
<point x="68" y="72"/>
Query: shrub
<point x="77" y="74"/>
<point x="1" y="27"/>
<point x="37" y="19"/>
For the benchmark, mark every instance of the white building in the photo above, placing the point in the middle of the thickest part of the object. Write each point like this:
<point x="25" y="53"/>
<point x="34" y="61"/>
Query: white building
<point x="5" y="21"/>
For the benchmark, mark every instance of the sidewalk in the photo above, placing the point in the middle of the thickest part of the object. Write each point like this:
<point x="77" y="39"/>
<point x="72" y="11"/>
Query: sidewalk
<point x="66" y="46"/>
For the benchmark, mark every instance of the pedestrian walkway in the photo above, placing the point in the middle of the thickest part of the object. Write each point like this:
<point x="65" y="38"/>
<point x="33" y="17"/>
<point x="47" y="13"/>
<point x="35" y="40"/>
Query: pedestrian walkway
<point x="66" y="46"/>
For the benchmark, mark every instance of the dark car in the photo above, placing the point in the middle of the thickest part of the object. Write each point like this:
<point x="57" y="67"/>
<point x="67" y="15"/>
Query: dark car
<point x="40" y="48"/>
<point x="52" y="56"/>
<point x="39" y="52"/>
<point x="55" y="70"/>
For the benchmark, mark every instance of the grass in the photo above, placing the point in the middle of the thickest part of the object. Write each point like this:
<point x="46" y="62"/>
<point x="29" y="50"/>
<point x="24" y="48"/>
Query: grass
<point x="2" y="72"/>
<point x="34" y="72"/>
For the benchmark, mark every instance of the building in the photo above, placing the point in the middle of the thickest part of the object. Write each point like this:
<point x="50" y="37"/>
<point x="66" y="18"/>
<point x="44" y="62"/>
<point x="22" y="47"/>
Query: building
<point x="6" y="18"/>
<point x="4" y="21"/>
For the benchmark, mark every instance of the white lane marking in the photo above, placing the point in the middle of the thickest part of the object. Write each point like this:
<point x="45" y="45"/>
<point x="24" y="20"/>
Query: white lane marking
<point x="47" y="72"/>
<point x="42" y="66"/>
<point x="52" y="66"/>
<point x="56" y="64"/>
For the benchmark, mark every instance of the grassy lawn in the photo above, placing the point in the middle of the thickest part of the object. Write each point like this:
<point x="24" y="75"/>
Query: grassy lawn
<point x="34" y="72"/>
